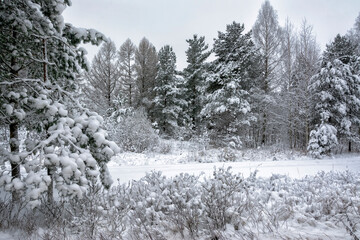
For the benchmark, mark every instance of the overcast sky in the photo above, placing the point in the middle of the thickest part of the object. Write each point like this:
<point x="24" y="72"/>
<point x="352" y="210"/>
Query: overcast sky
<point x="172" y="22"/>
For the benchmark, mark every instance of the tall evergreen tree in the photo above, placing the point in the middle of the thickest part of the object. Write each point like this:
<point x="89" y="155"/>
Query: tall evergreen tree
<point x="194" y="75"/>
<point x="228" y="84"/>
<point x="167" y="104"/>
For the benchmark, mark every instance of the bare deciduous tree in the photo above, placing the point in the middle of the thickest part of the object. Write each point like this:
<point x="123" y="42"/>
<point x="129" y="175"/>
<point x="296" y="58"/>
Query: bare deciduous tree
<point x="267" y="37"/>
<point x="146" y="69"/>
<point x="103" y="80"/>
<point x="288" y="108"/>
<point x="127" y="68"/>
<point x="307" y="65"/>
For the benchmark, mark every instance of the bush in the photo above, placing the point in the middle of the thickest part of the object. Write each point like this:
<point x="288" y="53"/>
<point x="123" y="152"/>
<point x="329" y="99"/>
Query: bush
<point x="227" y="155"/>
<point x="132" y="131"/>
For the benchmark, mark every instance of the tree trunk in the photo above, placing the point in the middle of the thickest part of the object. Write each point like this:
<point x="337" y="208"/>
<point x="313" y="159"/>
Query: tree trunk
<point x="50" y="171"/>
<point x="263" y="129"/>
<point x="307" y="134"/>
<point x="14" y="129"/>
<point x="349" y="146"/>
<point x="14" y="147"/>
<point x="130" y="94"/>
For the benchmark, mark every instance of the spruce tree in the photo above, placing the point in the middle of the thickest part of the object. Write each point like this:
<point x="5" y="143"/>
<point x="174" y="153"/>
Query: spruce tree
<point x="341" y="48"/>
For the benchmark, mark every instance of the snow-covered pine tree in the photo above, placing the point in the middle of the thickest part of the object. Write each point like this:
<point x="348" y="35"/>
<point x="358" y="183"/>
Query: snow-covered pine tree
<point x="194" y="75"/>
<point x="65" y="147"/>
<point x="167" y="102"/>
<point x="342" y="48"/>
<point x="337" y="98"/>
<point x="227" y="108"/>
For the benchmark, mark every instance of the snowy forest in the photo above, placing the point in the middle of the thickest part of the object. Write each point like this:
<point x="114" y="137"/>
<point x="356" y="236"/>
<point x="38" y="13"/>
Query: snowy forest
<point x="269" y="86"/>
<point x="64" y="123"/>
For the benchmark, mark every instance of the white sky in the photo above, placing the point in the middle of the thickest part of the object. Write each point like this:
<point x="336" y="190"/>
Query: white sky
<point x="172" y="22"/>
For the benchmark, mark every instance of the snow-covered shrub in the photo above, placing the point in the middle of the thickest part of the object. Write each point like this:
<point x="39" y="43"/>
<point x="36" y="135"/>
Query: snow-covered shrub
<point x="164" y="146"/>
<point x="11" y="213"/>
<point x="224" y="206"/>
<point x="99" y="213"/>
<point x="133" y="131"/>
<point x="227" y="155"/>
<point x="186" y="208"/>
<point x="222" y="198"/>
<point x="322" y="140"/>
<point x="147" y="207"/>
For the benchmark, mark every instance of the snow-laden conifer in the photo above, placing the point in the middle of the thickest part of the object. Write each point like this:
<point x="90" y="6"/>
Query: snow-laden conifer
<point x="63" y="146"/>
<point x="337" y="100"/>
<point x="194" y="75"/>
<point x="227" y="107"/>
<point x="167" y="102"/>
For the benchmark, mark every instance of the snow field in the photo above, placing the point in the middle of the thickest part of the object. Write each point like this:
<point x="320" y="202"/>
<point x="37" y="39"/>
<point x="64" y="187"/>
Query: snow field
<point x="187" y="158"/>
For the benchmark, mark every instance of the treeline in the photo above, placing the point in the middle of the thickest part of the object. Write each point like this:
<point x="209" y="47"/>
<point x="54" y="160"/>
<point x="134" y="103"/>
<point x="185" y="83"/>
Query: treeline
<point x="267" y="86"/>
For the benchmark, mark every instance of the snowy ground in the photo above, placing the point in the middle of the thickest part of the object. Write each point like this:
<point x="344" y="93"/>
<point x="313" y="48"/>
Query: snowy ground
<point x="6" y="236"/>
<point x="133" y="166"/>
